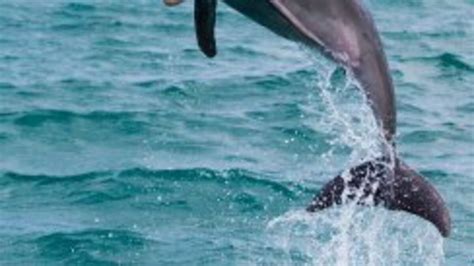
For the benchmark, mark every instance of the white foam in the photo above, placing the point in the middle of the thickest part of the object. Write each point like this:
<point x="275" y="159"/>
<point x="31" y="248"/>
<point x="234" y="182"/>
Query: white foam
<point x="352" y="235"/>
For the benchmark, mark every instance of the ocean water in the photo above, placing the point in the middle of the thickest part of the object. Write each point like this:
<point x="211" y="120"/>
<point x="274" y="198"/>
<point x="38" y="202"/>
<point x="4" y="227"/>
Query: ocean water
<point x="121" y="144"/>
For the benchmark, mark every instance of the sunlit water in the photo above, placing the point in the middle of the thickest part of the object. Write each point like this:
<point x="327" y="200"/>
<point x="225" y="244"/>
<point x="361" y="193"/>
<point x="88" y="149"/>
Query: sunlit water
<point x="121" y="144"/>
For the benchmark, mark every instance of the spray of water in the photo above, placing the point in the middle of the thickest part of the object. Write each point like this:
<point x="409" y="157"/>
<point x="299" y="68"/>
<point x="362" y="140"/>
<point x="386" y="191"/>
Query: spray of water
<point x="352" y="235"/>
<point x="355" y="236"/>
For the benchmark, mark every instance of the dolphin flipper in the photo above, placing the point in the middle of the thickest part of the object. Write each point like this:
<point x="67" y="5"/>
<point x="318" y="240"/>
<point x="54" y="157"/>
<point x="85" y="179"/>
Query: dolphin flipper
<point x="374" y="183"/>
<point x="205" y="20"/>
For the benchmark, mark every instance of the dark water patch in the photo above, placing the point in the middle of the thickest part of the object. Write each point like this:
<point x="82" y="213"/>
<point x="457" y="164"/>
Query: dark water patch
<point x="240" y="158"/>
<point x="7" y="86"/>
<point x="338" y="78"/>
<point x="446" y="62"/>
<point x="153" y="83"/>
<point x="302" y="74"/>
<point x="47" y="180"/>
<point x="175" y="92"/>
<point x="38" y="118"/>
<point x="243" y="51"/>
<point x="250" y="202"/>
<point x="29" y="94"/>
<point x="397" y="75"/>
<point x="197" y="148"/>
<point x="130" y="122"/>
<point x="454" y="33"/>
<point x="3" y="136"/>
<point x="9" y="58"/>
<point x="452" y="61"/>
<point x="79" y="7"/>
<point x="111" y="188"/>
<point x="458" y="132"/>
<point x="466" y="108"/>
<point x="91" y="247"/>
<point x="108" y="193"/>
<point x="82" y="85"/>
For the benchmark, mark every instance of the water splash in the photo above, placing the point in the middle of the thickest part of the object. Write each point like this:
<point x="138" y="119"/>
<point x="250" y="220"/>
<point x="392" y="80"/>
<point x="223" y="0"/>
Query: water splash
<point x="352" y="235"/>
<point x="346" y="115"/>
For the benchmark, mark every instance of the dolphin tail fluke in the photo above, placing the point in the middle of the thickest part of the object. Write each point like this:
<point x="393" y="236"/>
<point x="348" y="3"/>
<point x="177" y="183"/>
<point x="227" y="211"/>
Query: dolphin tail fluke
<point x="375" y="183"/>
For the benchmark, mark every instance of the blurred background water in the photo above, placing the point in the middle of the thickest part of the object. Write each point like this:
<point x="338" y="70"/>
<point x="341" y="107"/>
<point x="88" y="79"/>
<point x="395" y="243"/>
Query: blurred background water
<point x="120" y="143"/>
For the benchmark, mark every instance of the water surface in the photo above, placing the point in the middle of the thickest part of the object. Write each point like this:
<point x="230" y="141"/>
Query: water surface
<point x="120" y="143"/>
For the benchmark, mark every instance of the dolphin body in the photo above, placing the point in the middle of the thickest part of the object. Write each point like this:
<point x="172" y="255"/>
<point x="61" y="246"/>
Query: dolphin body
<point x="344" y="31"/>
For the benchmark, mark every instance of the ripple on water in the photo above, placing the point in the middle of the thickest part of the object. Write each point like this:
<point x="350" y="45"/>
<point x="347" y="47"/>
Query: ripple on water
<point x="91" y="246"/>
<point x="101" y="187"/>
<point x="453" y="61"/>
<point x="467" y="108"/>
<point x="7" y="86"/>
<point x="422" y="136"/>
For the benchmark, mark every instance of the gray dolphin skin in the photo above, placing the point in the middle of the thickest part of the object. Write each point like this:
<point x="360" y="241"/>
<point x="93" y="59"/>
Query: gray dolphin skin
<point x="344" y="31"/>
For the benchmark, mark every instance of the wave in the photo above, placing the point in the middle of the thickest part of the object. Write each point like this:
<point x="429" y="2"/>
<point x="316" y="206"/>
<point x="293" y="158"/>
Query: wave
<point x="449" y="60"/>
<point x="36" y="118"/>
<point x="184" y="205"/>
<point x="7" y="86"/>
<point x="446" y="61"/>
<point x="106" y="186"/>
<point x="91" y="246"/>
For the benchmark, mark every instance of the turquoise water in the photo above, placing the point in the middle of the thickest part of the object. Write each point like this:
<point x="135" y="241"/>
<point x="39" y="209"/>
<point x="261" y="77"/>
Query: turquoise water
<point x="120" y="143"/>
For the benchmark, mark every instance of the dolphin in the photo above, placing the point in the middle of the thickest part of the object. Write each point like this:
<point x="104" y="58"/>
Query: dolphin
<point x="344" y="31"/>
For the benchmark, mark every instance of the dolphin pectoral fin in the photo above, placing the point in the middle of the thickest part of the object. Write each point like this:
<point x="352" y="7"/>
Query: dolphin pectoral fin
<point x="373" y="183"/>
<point x="205" y="21"/>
